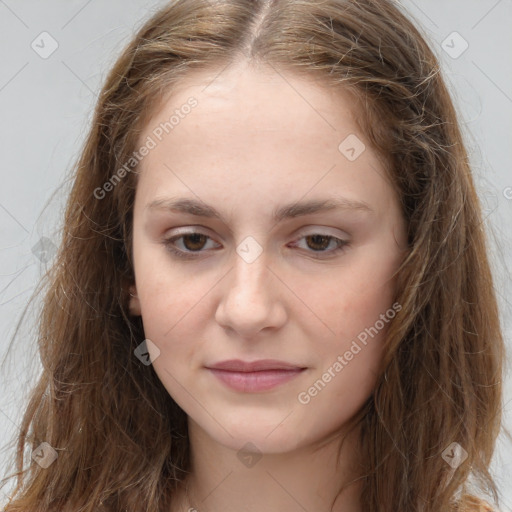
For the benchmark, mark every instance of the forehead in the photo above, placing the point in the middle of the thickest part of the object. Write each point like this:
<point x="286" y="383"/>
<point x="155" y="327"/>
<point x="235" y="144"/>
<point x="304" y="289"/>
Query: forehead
<point x="258" y="98"/>
<point x="259" y="127"/>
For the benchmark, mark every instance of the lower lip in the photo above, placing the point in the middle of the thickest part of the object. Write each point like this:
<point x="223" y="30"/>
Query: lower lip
<point x="252" y="382"/>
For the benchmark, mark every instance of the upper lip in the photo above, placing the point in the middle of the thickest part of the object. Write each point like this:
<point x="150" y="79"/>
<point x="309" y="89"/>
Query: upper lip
<point x="237" y="365"/>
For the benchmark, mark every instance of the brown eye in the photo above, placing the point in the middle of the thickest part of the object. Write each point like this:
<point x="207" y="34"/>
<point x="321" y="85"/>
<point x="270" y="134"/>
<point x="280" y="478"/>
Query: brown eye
<point x="318" y="242"/>
<point x="191" y="245"/>
<point x="194" y="241"/>
<point x="187" y="245"/>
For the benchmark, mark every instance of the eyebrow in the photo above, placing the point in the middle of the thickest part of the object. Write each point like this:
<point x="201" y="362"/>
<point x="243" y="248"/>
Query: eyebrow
<point x="288" y="211"/>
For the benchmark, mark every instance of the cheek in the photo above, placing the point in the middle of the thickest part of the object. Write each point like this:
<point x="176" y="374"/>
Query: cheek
<point x="174" y="315"/>
<point x="357" y="306"/>
<point x="348" y="363"/>
<point x="169" y="295"/>
<point x="352" y="299"/>
<point x="170" y="316"/>
<point x="170" y="321"/>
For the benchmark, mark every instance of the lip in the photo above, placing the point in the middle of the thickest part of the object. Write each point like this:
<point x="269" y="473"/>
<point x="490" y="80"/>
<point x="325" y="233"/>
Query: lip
<point x="237" y="365"/>
<point x="255" y="376"/>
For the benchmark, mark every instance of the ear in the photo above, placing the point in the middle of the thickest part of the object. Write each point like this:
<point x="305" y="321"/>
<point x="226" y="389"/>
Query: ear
<point x="134" y="301"/>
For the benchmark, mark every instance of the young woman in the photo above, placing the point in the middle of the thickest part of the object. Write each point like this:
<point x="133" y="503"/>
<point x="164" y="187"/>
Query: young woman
<point x="272" y="291"/>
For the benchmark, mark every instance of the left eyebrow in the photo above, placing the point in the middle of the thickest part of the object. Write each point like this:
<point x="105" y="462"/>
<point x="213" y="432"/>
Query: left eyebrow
<point x="288" y="211"/>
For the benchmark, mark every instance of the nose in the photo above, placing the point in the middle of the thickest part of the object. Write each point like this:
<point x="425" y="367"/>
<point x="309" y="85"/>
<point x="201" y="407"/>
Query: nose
<point x="251" y="298"/>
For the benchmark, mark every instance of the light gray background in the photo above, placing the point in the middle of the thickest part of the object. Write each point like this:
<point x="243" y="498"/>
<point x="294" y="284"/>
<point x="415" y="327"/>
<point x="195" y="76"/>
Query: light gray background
<point x="46" y="106"/>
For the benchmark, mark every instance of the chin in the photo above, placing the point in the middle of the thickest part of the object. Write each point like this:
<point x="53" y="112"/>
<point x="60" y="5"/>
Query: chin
<point x="265" y="435"/>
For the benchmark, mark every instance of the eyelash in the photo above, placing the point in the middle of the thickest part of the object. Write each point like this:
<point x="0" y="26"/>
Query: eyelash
<point x="169" y="244"/>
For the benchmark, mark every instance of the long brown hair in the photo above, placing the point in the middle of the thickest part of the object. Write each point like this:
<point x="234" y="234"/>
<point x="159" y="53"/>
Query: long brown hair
<point x="121" y="439"/>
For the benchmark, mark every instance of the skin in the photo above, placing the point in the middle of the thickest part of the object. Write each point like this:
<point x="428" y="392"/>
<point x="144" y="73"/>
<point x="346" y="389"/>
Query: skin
<point x="258" y="140"/>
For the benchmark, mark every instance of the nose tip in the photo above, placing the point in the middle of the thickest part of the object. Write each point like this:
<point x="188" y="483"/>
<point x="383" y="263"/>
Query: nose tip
<point x="250" y="301"/>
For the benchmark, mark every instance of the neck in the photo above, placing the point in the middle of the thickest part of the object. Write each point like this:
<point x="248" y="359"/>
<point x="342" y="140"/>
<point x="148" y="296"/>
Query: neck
<point x="319" y="478"/>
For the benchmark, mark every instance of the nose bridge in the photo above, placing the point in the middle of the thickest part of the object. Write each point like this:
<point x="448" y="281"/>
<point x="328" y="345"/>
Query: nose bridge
<point x="250" y="267"/>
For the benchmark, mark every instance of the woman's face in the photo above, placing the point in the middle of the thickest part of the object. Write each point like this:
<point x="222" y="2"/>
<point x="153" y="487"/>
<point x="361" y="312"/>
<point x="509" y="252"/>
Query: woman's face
<point x="234" y="183"/>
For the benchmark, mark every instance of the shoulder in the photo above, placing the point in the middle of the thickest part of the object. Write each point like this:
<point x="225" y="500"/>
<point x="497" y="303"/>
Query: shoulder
<point x="471" y="503"/>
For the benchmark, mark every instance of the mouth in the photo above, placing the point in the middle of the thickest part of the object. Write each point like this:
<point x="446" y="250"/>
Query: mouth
<point x="256" y="376"/>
